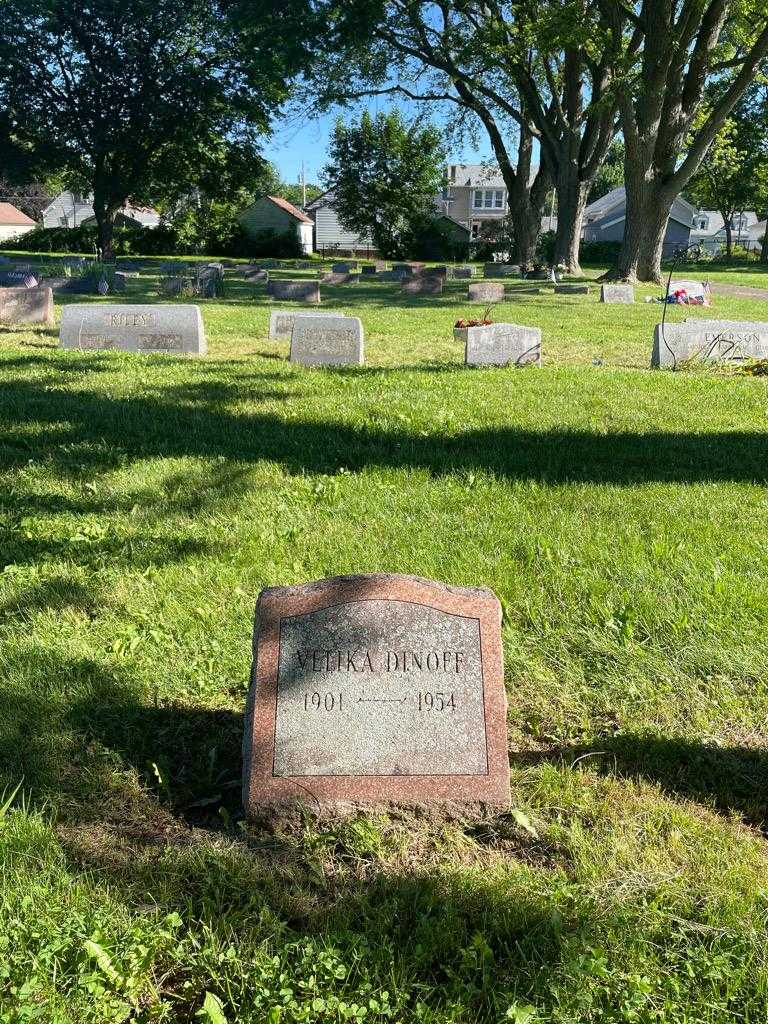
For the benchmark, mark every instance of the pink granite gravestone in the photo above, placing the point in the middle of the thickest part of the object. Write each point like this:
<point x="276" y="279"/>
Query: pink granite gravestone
<point x="376" y="689"/>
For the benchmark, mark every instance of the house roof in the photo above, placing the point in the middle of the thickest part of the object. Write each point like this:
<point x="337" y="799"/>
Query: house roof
<point x="715" y="223"/>
<point x="289" y="208"/>
<point x="618" y="197"/>
<point x="11" y="215"/>
<point x="475" y="174"/>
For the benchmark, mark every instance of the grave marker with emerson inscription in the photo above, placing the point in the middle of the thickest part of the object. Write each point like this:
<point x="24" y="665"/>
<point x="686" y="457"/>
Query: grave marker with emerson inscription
<point x="731" y="341"/>
<point x="174" y="330"/>
<point x="376" y="689"/>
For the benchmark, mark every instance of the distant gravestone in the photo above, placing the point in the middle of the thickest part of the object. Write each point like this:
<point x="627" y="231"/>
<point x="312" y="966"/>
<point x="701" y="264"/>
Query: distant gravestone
<point x="368" y="269"/>
<point x="19" y="278"/>
<point x="119" y="281"/>
<point x="336" y="277"/>
<point x="404" y="269"/>
<point x="500" y="345"/>
<point x="257" y="275"/>
<point x="571" y="289"/>
<point x="696" y="292"/>
<point x="501" y="270"/>
<point x="486" y="291"/>
<point x="702" y="340"/>
<point x="327" y="341"/>
<point x="376" y="689"/>
<point x="429" y="285"/>
<point x="26" y="306"/>
<point x="281" y="322"/>
<point x="344" y="268"/>
<point x="175" y="330"/>
<point x="303" y="264"/>
<point x="617" y="293"/>
<point x="300" y="291"/>
<point x="435" y="272"/>
<point x="460" y="273"/>
<point x="268" y="264"/>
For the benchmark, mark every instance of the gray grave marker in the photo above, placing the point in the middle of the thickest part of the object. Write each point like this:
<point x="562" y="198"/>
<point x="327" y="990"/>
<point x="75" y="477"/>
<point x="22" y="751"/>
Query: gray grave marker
<point x="174" y="330"/>
<point x="281" y="322"/>
<point x="500" y="345"/>
<point x="300" y="291"/>
<point x="327" y="341"/>
<point x="709" y="341"/>
<point x="26" y="306"/>
<point x="486" y="291"/>
<point x="617" y="293"/>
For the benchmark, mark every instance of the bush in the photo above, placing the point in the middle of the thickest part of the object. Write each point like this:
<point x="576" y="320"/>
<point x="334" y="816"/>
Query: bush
<point x="599" y="252"/>
<point x="434" y="239"/>
<point x="159" y="241"/>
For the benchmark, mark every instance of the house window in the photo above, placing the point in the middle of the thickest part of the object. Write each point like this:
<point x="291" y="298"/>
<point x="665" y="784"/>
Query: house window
<point x="702" y="223"/>
<point x="478" y="200"/>
<point x="488" y="199"/>
<point x="475" y="230"/>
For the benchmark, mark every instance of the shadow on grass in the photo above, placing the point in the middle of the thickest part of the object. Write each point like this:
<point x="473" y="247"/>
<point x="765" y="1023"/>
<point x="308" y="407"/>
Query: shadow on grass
<point x="726" y="779"/>
<point x="190" y="419"/>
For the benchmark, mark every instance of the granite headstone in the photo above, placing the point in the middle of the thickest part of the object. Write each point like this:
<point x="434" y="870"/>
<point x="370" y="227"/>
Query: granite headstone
<point x="26" y="306"/>
<point x="327" y="341"/>
<point x="703" y="340"/>
<point x="281" y="322"/>
<point x="378" y="689"/>
<point x="173" y="330"/>
<point x="300" y="291"/>
<point x="500" y="345"/>
<point x="486" y="291"/>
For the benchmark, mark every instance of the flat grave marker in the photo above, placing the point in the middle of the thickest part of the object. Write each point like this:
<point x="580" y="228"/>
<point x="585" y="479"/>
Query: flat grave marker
<point x="327" y="341"/>
<point x="376" y="689"/>
<point x="428" y="285"/>
<point x="26" y="306"/>
<point x="571" y="289"/>
<point x="159" y="328"/>
<point x="501" y="270"/>
<point x="486" y="291"/>
<point x="300" y="291"/>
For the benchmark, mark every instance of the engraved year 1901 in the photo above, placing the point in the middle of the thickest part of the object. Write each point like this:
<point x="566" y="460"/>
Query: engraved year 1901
<point x="322" y="701"/>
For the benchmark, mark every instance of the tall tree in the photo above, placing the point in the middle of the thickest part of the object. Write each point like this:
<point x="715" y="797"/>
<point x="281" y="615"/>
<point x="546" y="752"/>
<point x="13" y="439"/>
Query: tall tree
<point x="673" y="49"/>
<point x="385" y="174"/>
<point x="545" y="68"/>
<point x="133" y="97"/>
<point x="734" y="175"/>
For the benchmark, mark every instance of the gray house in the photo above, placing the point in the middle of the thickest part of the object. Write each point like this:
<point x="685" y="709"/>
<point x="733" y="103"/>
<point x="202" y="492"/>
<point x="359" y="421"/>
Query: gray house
<point x="709" y="229"/>
<point x="330" y="236"/>
<point x="70" y="210"/>
<point x="604" y="220"/>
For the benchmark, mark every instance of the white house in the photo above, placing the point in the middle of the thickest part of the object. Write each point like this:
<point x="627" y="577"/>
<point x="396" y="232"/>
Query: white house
<point x="14" y="223"/>
<point x="271" y="213"/>
<point x="70" y="210"/>
<point x="709" y="229"/>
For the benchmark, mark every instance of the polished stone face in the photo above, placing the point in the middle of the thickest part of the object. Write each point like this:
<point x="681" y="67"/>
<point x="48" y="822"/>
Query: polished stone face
<point x="301" y="291"/>
<point x="380" y="688"/>
<point x="157" y="328"/>
<point x="486" y="291"/>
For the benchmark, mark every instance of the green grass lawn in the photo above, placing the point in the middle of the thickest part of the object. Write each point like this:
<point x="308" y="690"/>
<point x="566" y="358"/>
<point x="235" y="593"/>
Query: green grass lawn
<point x="620" y="515"/>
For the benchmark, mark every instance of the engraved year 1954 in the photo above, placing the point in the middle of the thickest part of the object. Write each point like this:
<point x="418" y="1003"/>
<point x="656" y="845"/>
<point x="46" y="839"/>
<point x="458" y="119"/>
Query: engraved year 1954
<point x="436" y="701"/>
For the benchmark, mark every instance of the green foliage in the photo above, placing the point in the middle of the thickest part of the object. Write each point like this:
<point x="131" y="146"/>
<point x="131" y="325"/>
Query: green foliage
<point x="139" y="98"/>
<point x="145" y="503"/>
<point x="610" y="174"/>
<point x="385" y="174"/>
<point x="734" y="174"/>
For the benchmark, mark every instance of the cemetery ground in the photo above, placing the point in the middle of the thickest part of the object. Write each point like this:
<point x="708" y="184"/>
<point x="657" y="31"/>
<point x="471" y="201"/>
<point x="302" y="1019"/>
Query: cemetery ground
<point x="618" y="513"/>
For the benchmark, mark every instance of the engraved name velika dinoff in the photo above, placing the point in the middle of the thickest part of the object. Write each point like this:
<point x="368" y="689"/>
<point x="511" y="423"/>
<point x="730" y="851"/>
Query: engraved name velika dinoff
<point x="376" y="688"/>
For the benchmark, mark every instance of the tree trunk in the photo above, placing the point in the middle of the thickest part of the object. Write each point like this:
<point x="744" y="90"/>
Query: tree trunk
<point x="728" y="237"/>
<point x="571" y="202"/>
<point x="105" y="224"/>
<point x="527" y="220"/>
<point x="648" y="207"/>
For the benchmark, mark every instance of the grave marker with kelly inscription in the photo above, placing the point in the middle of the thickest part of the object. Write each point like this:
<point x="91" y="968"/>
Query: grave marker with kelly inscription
<point x="376" y="689"/>
<point x="174" y="330"/>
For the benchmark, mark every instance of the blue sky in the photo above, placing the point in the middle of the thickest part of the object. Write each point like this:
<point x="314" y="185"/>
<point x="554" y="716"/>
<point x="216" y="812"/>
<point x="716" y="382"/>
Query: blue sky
<point x="297" y="138"/>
